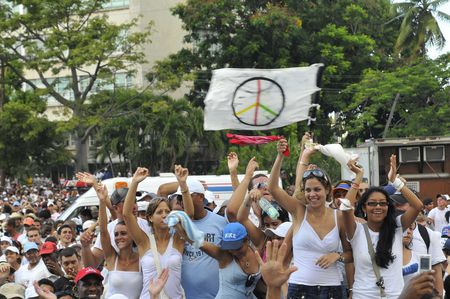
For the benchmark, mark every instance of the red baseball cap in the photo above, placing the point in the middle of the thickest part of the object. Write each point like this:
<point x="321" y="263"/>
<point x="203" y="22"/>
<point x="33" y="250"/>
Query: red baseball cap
<point x="87" y="271"/>
<point x="48" y="248"/>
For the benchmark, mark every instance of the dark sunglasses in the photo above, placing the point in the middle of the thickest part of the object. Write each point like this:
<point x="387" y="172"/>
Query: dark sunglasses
<point x="317" y="173"/>
<point x="262" y="185"/>
<point x="377" y="203"/>
<point x="250" y="280"/>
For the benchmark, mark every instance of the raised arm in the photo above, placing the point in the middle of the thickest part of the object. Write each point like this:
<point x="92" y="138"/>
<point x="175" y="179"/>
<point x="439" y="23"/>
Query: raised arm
<point x="233" y="163"/>
<point x="347" y="207"/>
<point x="139" y="236"/>
<point x="284" y="199"/>
<point x="256" y="235"/>
<point x="108" y="250"/>
<point x="182" y="174"/>
<point x="166" y="189"/>
<point x="90" y="179"/>
<point x="415" y="204"/>
<point x="303" y="159"/>
<point x="238" y="195"/>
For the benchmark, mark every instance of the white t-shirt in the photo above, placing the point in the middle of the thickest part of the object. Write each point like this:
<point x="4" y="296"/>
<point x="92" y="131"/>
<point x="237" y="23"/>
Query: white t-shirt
<point x="365" y="286"/>
<point x="435" y="250"/>
<point x="439" y="218"/>
<point x="143" y="224"/>
<point x="25" y="277"/>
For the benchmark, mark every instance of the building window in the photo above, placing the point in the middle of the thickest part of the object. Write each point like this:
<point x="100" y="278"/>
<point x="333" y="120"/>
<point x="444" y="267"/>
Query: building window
<point x="112" y="4"/>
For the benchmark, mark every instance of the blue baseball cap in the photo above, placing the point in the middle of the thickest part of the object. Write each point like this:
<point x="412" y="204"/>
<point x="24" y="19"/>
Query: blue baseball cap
<point x="390" y="189"/>
<point x="16" y="203"/>
<point x="233" y="236"/>
<point x="30" y="246"/>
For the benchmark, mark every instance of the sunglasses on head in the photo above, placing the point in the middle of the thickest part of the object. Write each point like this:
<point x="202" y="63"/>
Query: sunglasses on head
<point x="317" y="173"/>
<point x="250" y="279"/>
<point x="377" y="203"/>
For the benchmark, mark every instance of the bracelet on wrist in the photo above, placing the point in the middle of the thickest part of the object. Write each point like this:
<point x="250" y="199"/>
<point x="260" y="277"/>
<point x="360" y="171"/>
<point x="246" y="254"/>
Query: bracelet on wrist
<point x="397" y="184"/>
<point x="184" y="191"/>
<point x="303" y="163"/>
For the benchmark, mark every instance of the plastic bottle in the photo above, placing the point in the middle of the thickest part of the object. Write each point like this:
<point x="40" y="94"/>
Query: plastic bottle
<point x="267" y="207"/>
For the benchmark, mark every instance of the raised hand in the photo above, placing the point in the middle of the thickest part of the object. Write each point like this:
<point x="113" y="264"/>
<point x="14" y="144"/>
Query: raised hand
<point x="233" y="161"/>
<point x="86" y="177"/>
<point x="274" y="272"/>
<point x="353" y="165"/>
<point x="87" y="236"/>
<point x="156" y="286"/>
<point x="140" y="174"/>
<point x="251" y="166"/>
<point x="282" y="146"/>
<point x="102" y="192"/>
<point x="392" y="175"/>
<point x="181" y="173"/>
<point x="255" y="194"/>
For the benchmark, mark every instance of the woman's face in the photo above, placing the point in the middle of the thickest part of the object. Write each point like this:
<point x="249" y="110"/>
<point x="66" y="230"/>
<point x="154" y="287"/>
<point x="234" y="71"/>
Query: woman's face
<point x="376" y="207"/>
<point x="270" y="223"/>
<point x="121" y="236"/>
<point x="160" y="214"/>
<point x="238" y="253"/>
<point x="407" y="236"/>
<point x="11" y="257"/>
<point x="315" y="192"/>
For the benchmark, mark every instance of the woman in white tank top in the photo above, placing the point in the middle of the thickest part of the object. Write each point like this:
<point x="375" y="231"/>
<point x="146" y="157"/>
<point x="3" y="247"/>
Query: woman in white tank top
<point x="317" y="230"/>
<point x="169" y="247"/>
<point x="124" y="274"/>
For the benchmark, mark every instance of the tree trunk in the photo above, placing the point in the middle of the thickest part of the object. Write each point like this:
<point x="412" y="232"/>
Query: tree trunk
<point x="81" y="153"/>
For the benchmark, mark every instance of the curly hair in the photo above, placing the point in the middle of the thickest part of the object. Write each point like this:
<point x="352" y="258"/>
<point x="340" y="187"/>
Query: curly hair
<point x="383" y="252"/>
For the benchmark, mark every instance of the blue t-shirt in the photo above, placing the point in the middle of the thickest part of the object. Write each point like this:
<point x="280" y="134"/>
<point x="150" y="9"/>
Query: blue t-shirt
<point x="200" y="272"/>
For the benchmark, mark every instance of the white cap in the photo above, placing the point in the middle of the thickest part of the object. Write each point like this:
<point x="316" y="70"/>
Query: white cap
<point x="6" y="239"/>
<point x="142" y="205"/>
<point x="87" y="224"/>
<point x="144" y="194"/>
<point x="13" y="249"/>
<point x="194" y="186"/>
<point x="280" y="231"/>
<point x="219" y="206"/>
<point x="209" y="196"/>
<point x="3" y="216"/>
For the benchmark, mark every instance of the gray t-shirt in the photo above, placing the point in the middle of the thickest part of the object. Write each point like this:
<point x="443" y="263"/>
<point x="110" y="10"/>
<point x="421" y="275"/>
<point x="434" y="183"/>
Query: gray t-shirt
<point x="200" y="272"/>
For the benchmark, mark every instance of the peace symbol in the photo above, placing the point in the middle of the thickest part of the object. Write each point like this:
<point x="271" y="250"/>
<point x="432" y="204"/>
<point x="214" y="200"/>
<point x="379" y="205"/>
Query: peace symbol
<point x="258" y="101"/>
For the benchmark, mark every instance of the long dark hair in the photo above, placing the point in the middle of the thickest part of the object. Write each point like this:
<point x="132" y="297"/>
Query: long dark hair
<point x="383" y="252"/>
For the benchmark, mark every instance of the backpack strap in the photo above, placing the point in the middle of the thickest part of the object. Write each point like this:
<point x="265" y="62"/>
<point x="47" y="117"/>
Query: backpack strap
<point x="376" y="268"/>
<point x="424" y="234"/>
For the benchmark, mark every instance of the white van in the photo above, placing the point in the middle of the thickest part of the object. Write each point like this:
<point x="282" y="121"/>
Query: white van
<point x="219" y="185"/>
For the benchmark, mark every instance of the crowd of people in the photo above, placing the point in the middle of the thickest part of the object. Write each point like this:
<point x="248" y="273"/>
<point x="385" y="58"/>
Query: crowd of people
<point x="317" y="240"/>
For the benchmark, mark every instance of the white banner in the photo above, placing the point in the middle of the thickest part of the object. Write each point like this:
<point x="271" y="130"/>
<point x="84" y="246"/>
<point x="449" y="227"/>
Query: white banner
<point x="258" y="99"/>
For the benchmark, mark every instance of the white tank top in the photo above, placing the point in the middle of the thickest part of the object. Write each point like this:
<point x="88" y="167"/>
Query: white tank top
<point x="128" y="283"/>
<point x="170" y="259"/>
<point x="307" y="249"/>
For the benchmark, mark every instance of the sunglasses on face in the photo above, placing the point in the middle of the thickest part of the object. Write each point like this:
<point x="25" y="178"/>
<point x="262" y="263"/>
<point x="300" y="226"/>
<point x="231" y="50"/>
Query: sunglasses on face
<point x="261" y="185"/>
<point x="377" y="203"/>
<point x="317" y="173"/>
<point x="250" y="280"/>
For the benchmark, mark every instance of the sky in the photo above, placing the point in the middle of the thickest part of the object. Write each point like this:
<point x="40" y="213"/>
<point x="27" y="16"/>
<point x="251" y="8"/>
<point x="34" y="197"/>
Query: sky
<point x="445" y="28"/>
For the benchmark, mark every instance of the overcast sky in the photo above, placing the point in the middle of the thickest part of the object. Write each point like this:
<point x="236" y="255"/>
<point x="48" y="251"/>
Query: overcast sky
<point x="445" y="28"/>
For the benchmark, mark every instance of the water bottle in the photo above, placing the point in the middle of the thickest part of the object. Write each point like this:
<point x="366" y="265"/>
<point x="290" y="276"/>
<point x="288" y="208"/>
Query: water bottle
<point x="267" y="207"/>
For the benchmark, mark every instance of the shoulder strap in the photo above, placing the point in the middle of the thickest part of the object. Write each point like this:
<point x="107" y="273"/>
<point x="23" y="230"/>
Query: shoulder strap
<point x="424" y="234"/>
<point x="376" y="269"/>
<point x="157" y="261"/>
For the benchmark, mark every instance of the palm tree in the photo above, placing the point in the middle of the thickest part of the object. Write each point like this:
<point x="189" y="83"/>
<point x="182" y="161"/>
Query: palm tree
<point x="419" y="26"/>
